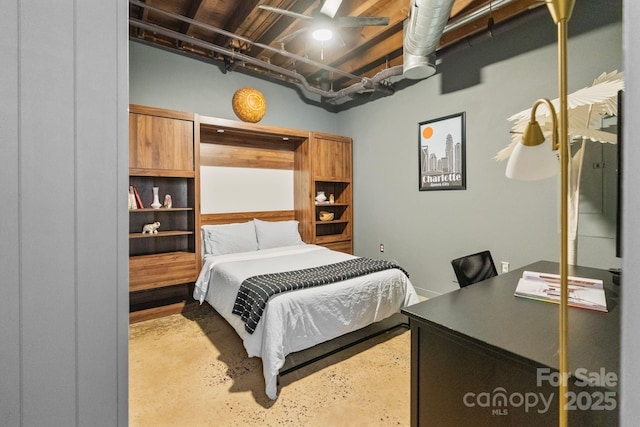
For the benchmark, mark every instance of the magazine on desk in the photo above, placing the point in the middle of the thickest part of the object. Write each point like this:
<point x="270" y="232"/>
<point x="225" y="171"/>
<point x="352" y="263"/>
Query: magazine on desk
<point x="583" y="293"/>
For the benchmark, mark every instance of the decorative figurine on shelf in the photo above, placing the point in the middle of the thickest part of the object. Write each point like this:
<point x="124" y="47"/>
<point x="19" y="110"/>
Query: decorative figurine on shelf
<point x="321" y="198"/>
<point x="332" y="200"/>
<point x="156" y="202"/>
<point x="167" y="201"/>
<point x="151" y="228"/>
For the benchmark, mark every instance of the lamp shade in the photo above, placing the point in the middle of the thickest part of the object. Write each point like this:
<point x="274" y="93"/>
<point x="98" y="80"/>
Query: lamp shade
<point x="530" y="163"/>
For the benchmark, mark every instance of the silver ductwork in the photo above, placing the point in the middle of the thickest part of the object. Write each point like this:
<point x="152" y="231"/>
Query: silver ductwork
<point x="422" y="32"/>
<point x="425" y="25"/>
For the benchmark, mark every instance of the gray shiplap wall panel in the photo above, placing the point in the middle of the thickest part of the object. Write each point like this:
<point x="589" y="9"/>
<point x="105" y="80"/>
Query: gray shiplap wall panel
<point x="47" y="211"/>
<point x="64" y="307"/>
<point x="630" y="349"/>
<point x="98" y="193"/>
<point x="9" y="226"/>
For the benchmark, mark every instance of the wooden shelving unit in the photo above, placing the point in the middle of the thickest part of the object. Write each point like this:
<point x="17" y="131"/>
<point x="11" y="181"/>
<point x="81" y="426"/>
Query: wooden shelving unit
<point x="331" y="171"/>
<point x="165" y="151"/>
<point x="162" y="266"/>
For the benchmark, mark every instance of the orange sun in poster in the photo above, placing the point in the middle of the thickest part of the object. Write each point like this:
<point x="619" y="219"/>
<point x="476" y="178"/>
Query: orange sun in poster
<point x="427" y="132"/>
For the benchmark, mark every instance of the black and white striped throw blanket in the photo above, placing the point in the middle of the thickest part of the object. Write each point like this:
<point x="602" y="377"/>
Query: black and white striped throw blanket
<point x="255" y="291"/>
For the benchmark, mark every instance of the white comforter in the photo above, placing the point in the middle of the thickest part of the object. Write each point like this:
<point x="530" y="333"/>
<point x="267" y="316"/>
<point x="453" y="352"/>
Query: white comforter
<point x="294" y="321"/>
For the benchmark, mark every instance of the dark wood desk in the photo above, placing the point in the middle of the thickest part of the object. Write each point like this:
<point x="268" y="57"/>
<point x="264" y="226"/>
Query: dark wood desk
<point x="478" y="354"/>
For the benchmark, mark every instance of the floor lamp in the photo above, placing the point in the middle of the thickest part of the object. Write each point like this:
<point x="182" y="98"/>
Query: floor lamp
<point x="532" y="158"/>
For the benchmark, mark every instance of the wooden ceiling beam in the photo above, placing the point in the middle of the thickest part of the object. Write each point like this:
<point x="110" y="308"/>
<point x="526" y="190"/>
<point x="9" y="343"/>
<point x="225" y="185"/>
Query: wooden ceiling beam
<point x="367" y="50"/>
<point x="241" y="11"/>
<point x="363" y="7"/>
<point x="460" y="6"/>
<point x="192" y="11"/>
<point x="499" y="15"/>
<point x="283" y="25"/>
<point x="387" y="52"/>
<point x="369" y="37"/>
<point x="378" y="57"/>
<point x="370" y="56"/>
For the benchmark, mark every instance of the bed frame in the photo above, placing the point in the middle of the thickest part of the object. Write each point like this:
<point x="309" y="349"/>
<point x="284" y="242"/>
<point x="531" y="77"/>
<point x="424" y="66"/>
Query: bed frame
<point x="300" y="359"/>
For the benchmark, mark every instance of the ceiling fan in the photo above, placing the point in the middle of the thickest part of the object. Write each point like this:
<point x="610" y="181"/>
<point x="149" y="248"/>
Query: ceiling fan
<point x="323" y="21"/>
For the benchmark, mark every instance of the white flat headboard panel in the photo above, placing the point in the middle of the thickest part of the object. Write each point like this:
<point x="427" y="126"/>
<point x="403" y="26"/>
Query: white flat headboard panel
<point x="233" y="189"/>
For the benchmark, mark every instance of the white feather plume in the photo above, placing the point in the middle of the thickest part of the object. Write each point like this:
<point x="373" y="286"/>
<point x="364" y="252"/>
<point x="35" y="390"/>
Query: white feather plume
<point x="586" y="108"/>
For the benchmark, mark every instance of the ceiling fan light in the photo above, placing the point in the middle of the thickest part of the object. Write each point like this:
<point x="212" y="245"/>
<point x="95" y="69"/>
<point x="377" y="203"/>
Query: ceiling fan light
<point x="322" y="34"/>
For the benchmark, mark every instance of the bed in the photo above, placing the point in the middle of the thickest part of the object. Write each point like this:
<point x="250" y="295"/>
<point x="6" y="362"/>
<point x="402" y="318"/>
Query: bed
<point x="300" y="319"/>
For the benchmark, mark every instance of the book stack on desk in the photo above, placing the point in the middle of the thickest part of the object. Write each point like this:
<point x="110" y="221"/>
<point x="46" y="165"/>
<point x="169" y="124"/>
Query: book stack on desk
<point x="583" y="292"/>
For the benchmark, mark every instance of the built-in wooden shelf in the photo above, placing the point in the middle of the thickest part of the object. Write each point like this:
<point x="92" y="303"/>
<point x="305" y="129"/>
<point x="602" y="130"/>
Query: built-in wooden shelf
<point x="160" y="234"/>
<point x="336" y="221"/>
<point x="341" y="179"/>
<point x="159" y="210"/>
<point x="167" y="173"/>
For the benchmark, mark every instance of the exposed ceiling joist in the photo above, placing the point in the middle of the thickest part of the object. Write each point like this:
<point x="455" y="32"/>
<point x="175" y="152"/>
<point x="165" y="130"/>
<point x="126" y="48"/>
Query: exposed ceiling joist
<point x="242" y="34"/>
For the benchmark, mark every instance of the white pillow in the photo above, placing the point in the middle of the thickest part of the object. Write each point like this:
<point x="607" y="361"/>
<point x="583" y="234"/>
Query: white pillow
<point x="229" y="238"/>
<point x="276" y="234"/>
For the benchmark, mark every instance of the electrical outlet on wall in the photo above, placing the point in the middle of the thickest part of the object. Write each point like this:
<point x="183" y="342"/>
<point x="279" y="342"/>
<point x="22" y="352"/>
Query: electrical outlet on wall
<point x="504" y="266"/>
<point x="381" y="247"/>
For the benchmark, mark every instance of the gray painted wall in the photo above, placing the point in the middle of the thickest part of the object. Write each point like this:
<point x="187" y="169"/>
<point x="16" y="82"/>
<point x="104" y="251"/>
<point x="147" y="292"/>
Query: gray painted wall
<point x="490" y="81"/>
<point x="63" y="234"/>
<point x="163" y="79"/>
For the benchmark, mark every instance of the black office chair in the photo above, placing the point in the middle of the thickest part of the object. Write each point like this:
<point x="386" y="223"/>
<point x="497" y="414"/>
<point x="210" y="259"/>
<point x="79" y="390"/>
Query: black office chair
<point x="473" y="268"/>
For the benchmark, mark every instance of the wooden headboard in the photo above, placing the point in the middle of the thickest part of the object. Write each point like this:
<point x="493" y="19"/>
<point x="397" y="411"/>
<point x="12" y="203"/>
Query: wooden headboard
<point x="228" y="218"/>
<point x="225" y="143"/>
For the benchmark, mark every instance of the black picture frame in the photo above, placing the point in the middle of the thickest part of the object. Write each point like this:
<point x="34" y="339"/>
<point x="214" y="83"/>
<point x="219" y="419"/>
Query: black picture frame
<point x="442" y="153"/>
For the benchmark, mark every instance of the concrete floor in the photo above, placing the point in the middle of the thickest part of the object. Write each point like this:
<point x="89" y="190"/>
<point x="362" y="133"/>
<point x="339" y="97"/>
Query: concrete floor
<point x="193" y="371"/>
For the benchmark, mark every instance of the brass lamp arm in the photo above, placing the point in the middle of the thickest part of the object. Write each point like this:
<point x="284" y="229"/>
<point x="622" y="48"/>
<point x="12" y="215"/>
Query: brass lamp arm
<point x="526" y="139"/>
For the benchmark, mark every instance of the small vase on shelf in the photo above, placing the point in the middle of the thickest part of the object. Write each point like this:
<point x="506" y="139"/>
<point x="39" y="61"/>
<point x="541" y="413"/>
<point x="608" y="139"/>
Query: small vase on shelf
<point x="156" y="202"/>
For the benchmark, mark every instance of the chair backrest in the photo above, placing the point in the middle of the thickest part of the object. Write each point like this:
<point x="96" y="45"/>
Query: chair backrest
<point x="473" y="268"/>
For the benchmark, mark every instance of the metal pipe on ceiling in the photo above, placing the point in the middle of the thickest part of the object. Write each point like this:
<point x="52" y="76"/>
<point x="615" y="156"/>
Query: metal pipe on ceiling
<point x="375" y="83"/>
<point x="422" y="33"/>
<point x="214" y="48"/>
<point x="485" y="10"/>
<point x="427" y="22"/>
<point x="225" y="33"/>
<point x="364" y="84"/>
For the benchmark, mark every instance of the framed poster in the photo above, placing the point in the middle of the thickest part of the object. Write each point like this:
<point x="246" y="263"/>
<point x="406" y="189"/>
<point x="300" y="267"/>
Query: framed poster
<point x="441" y="152"/>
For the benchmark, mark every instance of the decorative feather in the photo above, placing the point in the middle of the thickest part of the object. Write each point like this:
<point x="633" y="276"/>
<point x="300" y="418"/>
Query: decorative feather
<point x="586" y="108"/>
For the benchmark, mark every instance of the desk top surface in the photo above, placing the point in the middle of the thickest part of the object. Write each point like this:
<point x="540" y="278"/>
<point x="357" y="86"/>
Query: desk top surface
<point x="488" y="313"/>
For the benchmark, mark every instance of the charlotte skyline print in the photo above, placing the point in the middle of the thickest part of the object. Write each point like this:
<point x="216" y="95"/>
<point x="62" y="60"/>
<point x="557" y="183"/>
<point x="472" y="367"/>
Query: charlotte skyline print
<point x="441" y="151"/>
